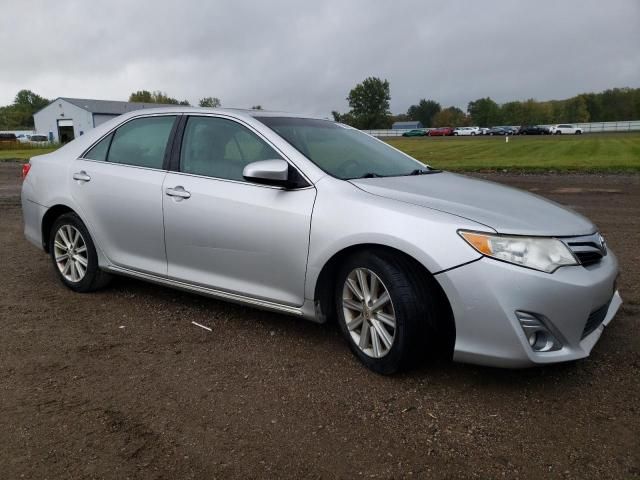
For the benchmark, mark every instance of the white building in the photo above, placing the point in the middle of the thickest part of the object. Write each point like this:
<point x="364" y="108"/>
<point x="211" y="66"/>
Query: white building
<point x="67" y="118"/>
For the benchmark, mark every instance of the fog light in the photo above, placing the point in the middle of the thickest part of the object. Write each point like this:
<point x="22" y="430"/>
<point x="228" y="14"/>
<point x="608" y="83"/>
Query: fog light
<point x="539" y="337"/>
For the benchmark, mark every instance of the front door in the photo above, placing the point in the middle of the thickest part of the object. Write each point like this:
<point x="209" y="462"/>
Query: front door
<point x="228" y="234"/>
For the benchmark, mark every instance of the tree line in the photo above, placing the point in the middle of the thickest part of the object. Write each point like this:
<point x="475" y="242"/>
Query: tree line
<point x="369" y="108"/>
<point x="19" y="115"/>
<point x="369" y="103"/>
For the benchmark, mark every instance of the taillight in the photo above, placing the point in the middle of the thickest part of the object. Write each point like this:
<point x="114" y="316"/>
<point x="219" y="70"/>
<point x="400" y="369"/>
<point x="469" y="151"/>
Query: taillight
<point x="25" y="170"/>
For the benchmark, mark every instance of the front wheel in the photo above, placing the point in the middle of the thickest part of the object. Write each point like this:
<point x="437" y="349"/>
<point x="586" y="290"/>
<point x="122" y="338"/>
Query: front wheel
<point x="384" y="310"/>
<point x="74" y="255"/>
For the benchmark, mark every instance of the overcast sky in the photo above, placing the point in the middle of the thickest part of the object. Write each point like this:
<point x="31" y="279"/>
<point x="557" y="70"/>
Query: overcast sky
<point x="305" y="56"/>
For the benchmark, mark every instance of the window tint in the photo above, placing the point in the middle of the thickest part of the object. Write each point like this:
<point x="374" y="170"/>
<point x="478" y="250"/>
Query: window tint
<point x="141" y="142"/>
<point x="221" y="148"/>
<point x="99" y="151"/>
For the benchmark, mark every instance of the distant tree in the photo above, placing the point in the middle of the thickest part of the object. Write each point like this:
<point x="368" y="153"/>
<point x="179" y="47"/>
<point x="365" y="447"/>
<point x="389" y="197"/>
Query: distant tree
<point x="145" y="96"/>
<point x="369" y="102"/>
<point x="211" y="102"/>
<point x="19" y="115"/>
<point x="401" y="117"/>
<point x="450" y="117"/>
<point x="575" y="110"/>
<point x="141" y="96"/>
<point x="424" y="112"/>
<point x="184" y="102"/>
<point x="256" y="107"/>
<point x="511" y="113"/>
<point x="31" y="100"/>
<point x="484" y="112"/>
<point x="346" y="118"/>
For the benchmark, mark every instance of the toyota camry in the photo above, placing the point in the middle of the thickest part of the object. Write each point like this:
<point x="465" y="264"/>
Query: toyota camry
<point x="315" y="219"/>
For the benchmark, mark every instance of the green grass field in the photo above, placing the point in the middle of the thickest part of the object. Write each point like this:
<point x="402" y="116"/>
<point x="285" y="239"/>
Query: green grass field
<point x="23" y="153"/>
<point x="614" y="152"/>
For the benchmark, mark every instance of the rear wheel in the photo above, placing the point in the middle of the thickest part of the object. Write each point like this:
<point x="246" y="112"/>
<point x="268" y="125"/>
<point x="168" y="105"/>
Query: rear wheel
<point x="385" y="310"/>
<point x="74" y="255"/>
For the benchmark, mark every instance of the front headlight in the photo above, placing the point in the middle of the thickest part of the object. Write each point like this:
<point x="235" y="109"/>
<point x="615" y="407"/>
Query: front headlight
<point x="544" y="254"/>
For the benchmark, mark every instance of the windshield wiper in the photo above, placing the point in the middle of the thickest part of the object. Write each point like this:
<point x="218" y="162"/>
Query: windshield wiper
<point x="371" y="175"/>
<point x="419" y="171"/>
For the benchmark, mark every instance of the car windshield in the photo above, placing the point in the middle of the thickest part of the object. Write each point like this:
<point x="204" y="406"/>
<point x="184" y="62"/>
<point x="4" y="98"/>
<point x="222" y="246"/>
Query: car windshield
<point x="341" y="151"/>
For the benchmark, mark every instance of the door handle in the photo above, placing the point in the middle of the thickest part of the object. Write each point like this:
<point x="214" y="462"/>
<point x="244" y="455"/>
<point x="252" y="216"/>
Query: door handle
<point x="178" y="192"/>
<point x="81" y="176"/>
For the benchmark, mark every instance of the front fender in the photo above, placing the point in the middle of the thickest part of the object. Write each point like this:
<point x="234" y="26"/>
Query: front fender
<point x="345" y="216"/>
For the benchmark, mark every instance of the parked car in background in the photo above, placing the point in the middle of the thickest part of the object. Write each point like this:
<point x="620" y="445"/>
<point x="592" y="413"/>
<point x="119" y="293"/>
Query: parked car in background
<point x="440" y="132"/>
<point x="484" y="131"/>
<point x="414" y="133"/>
<point x="566" y="129"/>
<point x="509" y="129"/>
<point x="23" y="137"/>
<point x="284" y="212"/>
<point x="467" y="131"/>
<point x="533" y="130"/>
<point x="7" y="138"/>
<point x="497" y="131"/>
<point x="38" y="139"/>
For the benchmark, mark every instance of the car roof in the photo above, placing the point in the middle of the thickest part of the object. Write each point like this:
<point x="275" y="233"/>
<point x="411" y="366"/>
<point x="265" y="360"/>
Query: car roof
<point x="235" y="112"/>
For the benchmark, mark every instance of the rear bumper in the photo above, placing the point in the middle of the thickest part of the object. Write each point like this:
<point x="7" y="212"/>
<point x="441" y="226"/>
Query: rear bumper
<point x="32" y="214"/>
<point x="485" y="296"/>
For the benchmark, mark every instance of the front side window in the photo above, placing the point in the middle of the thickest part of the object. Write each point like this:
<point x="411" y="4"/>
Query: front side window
<point x="340" y="151"/>
<point x="141" y="142"/>
<point x="220" y="148"/>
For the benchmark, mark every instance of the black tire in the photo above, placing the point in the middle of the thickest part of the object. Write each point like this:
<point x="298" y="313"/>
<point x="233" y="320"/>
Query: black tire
<point x="415" y="305"/>
<point x="578" y="132"/>
<point x="93" y="278"/>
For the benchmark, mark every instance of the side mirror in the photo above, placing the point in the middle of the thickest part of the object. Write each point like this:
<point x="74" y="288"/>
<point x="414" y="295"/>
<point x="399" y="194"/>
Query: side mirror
<point x="268" y="172"/>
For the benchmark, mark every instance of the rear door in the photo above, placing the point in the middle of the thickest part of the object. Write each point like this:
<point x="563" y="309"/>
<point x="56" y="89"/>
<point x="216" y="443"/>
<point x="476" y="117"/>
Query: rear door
<point x="118" y="187"/>
<point x="225" y="233"/>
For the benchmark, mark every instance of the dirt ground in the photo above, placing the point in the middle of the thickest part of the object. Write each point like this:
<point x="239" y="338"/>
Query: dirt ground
<point x="120" y="384"/>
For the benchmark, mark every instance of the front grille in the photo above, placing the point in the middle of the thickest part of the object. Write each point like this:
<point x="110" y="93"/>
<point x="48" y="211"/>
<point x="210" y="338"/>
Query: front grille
<point x="595" y="319"/>
<point x="588" y="258"/>
<point x="588" y="249"/>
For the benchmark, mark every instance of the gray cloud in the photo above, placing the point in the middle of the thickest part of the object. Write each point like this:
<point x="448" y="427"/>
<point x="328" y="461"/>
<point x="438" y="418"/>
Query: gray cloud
<point x="306" y="56"/>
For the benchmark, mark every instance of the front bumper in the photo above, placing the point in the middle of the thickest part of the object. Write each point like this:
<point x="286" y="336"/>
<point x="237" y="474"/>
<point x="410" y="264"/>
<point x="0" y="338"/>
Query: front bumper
<point x="485" y="295"/>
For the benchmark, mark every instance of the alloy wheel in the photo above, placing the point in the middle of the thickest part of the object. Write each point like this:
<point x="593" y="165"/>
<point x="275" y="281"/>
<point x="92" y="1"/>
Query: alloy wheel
<point x="368" y="312"/>
<point x="70" y="252"/>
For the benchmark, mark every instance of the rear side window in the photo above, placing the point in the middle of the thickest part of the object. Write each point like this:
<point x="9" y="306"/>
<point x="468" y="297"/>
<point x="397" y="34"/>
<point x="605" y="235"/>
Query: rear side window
<point x="141" y="142"/>
<point x="220" y="148"/>
<point x="99" y="151"/>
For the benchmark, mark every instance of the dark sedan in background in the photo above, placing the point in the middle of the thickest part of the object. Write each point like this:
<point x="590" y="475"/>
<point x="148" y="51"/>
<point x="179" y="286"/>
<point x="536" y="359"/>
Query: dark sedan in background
<point x="533" y="130"/>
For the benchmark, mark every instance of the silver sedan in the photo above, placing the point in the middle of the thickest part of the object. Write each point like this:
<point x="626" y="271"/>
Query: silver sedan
<point x="315" y="219"/>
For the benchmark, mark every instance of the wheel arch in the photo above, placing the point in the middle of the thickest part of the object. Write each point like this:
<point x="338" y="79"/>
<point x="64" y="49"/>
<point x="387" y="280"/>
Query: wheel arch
<point x="325" y="284"/>
<point x="49" y="219"/>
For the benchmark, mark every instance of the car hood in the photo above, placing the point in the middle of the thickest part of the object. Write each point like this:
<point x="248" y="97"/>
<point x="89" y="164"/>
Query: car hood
<point x="507" y="210"/>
